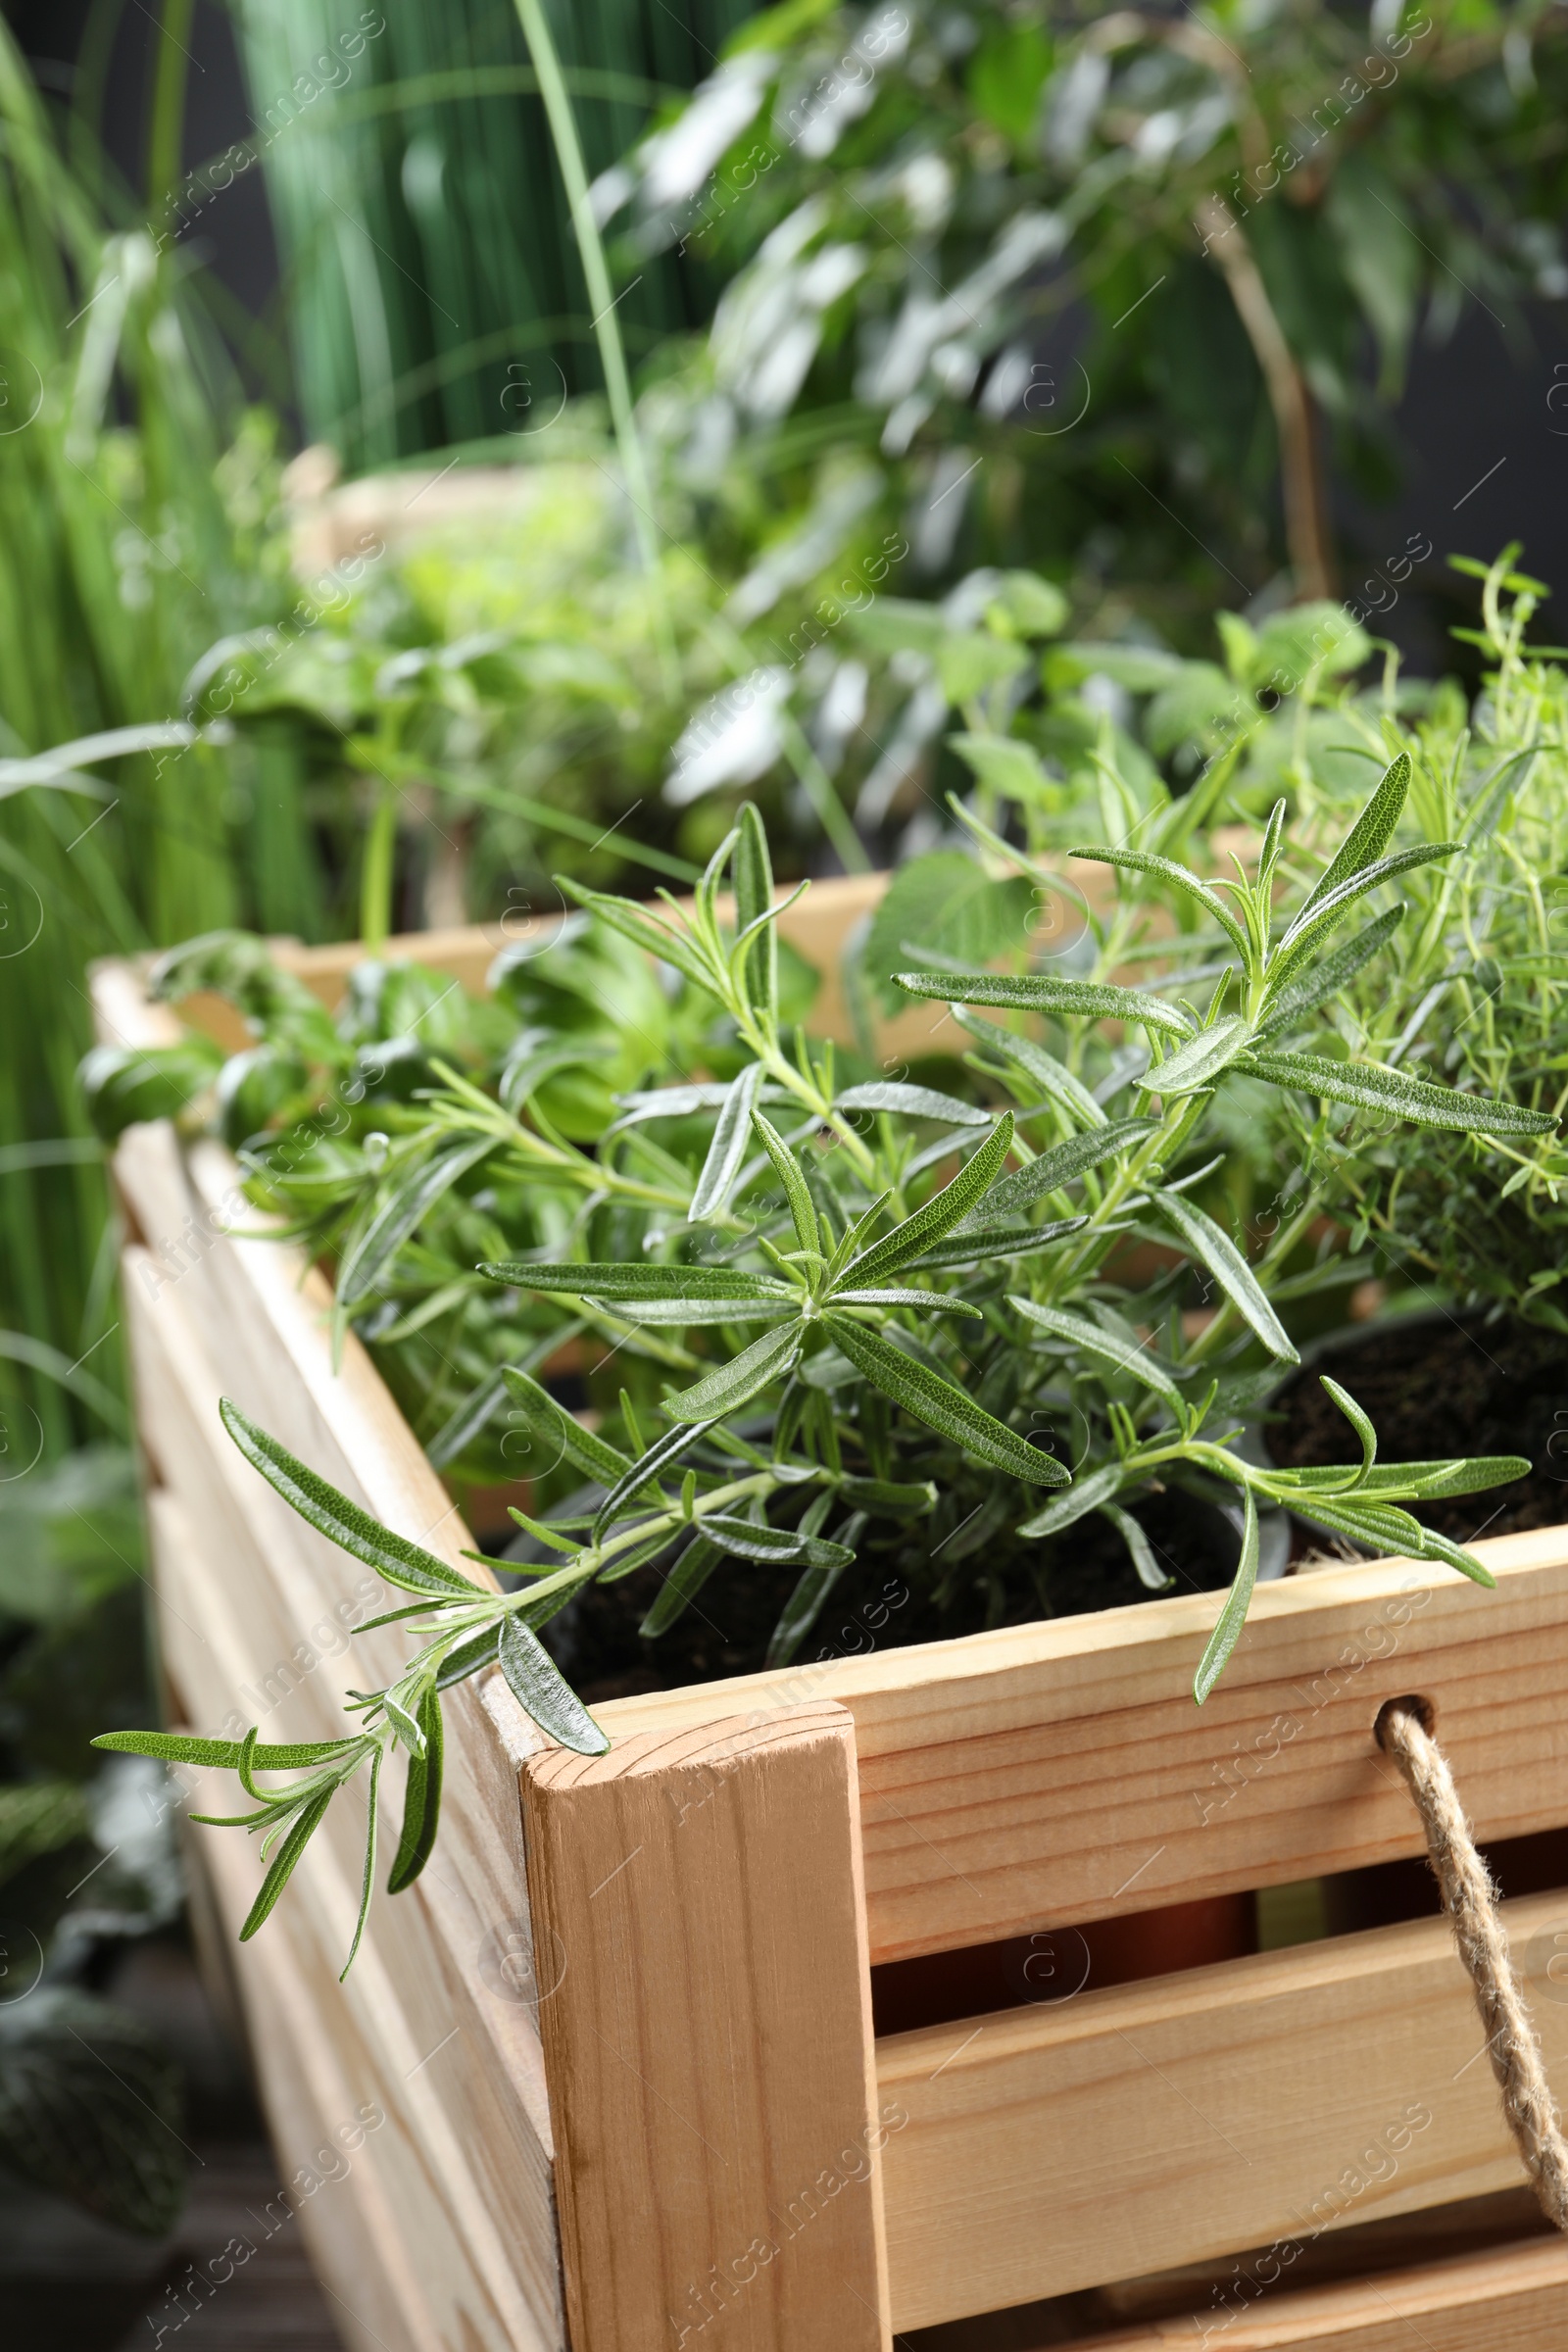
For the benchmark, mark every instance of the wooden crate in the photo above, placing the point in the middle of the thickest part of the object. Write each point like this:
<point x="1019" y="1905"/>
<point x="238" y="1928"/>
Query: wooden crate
<point x="620" y="2031"/>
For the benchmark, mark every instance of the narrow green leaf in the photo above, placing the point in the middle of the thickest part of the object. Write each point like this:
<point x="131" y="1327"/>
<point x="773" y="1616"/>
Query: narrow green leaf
<point x="542" y="1691"/>
<point x="179" y="1747"/>
<point x="682" y="1585"/>
<point x="726" y="1154"/>
<point x="1167" y="869"/>
<point x="1059" y="1166"/>
<point x="942" y="1407"/>
<point x="421" y="1800"/>
<point x="1150" y="1575"/>
<point x="980" y="1242"/>
<point x="912" y="1103"/>
<point x="551" y="1538"/>
<point x="1404" y="1482"/>
<point x="1039" y="992"/>
<point x="331" y="1514"/>
<point x="810" y="1596"/>
<point x="307" y="1823"/>
<point x="788" y="1171"/>
<point x="1213" y="1247"/>
<point x="753" y="874"/>
<point x="469" y="1657"/>
<point x="580" y="1446"/>
<point x="889" y="1499"/>
<point x="1228" y="1632"/>
<point x="1054" y="1079"/>
<point x="658" y="939"/>
<point x="407" y="1725"/>
<point x="1359" y="1422"/>
<point x="662" y="1455"/>
<point x="1327" y="975"/>
<point x="1091" y="1339"/>
<point x="404" y="1206"/>
<point x="938" y="1216"/>
<point x="1310" y="927"/>
<point x="1075" y="1502"/>
<point x="367" y="1883"/>
<point x="1372" y="1089"/>
<point x="617" y="1282"/>
<point x="1199" y="1061"/>
<point x="757" y="1540"/>
<point x="1371" y="833"/>
<point x="923" y="1303"/>
<point x="735" y="1383"/>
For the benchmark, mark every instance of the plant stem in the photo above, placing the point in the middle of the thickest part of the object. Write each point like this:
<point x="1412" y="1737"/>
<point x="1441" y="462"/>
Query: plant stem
<point x="375" y="881"/>
<point x="167" y="123"/>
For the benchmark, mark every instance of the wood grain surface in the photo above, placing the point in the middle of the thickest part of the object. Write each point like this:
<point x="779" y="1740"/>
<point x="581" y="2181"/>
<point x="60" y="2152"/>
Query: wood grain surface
<point x="707" y="2039"/>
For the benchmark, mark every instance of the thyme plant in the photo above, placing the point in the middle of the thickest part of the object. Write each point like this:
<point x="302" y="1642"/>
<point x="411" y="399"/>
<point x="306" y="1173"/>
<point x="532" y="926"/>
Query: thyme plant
<point x="860" y="1314"/>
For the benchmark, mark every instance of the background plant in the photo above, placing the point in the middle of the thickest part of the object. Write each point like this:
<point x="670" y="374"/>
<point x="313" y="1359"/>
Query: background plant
<point x="985" y="1314"/>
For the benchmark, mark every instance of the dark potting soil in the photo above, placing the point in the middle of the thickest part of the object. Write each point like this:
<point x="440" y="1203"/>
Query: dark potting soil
<point x="882" y="1601"/>
<point x="1435" y="1386"/>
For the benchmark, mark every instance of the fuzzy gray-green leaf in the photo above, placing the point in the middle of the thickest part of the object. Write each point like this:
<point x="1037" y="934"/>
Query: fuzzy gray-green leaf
<point x="943" y="1407"/>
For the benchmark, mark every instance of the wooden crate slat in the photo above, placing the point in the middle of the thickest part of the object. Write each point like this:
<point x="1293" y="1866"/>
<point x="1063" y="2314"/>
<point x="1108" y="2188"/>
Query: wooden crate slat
<point x="1512" y="2299"/>
<point x="708" y="2037"/>
<point x="1148" y="2125"/>
<point x="1059" y="1772"/>
<point x="416" y="2023"/>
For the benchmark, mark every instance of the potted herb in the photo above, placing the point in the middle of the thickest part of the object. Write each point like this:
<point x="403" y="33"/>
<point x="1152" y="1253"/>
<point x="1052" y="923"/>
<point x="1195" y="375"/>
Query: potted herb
<point x="862" y="1319"/>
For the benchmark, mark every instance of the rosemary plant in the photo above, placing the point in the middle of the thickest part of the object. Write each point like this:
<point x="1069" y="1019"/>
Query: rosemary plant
<point x="833" y="1341"/>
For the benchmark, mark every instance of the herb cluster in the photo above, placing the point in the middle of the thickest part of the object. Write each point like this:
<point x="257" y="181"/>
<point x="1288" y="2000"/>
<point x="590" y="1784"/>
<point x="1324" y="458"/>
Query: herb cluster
<point x="851" y="1310"/>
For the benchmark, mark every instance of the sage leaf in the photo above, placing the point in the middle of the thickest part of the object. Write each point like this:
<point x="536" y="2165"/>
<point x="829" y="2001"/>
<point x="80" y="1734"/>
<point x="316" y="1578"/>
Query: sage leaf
<point x="400" y="1562"/>
<point x="1233" y="1616"/>
<point x="421" y="1797"/>
<point x="1088" y="1338"/>
<point x="942" y="1407"/>
<point x="1213" y="1247"/>
<point x="542" y="1691"/>
<point x="735" y="1383"/>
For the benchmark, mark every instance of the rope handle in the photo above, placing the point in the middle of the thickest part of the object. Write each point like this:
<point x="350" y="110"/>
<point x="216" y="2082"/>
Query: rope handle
<point x="1403" y="1730"/>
